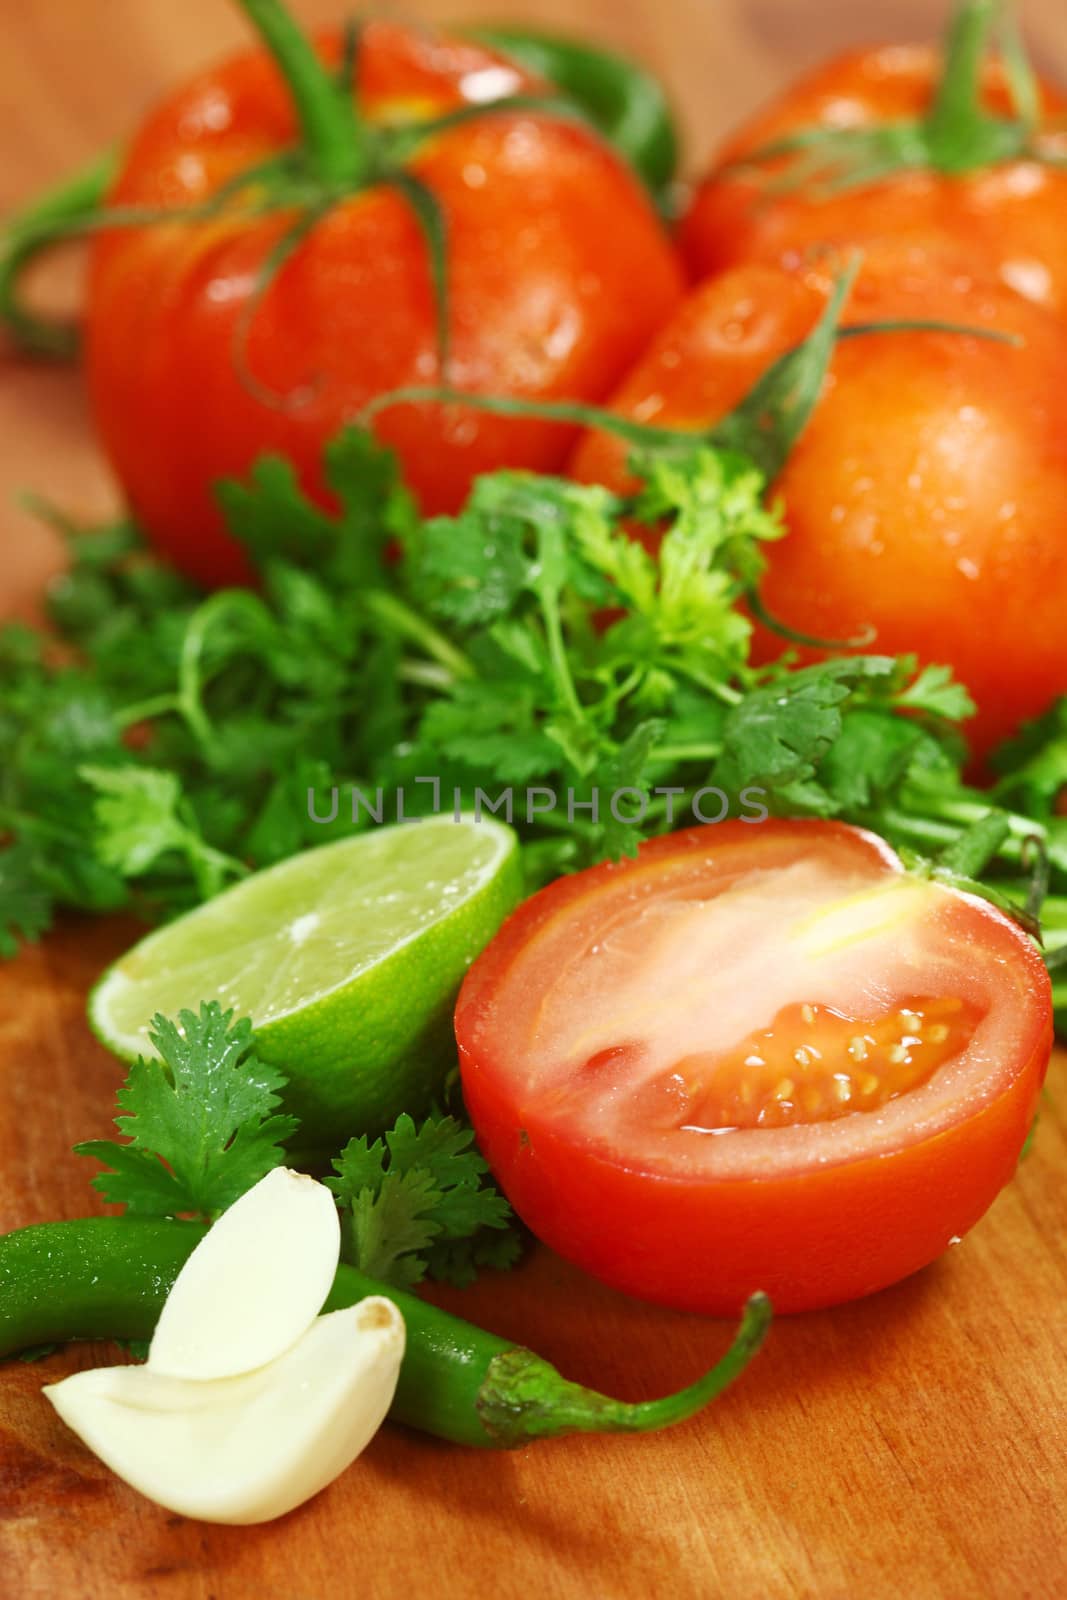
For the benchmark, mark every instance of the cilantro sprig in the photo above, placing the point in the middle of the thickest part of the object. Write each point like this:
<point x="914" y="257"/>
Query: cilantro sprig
<point x="201" y="1123"/>
<point x="420" y="1201"/>
<point x="201" y="1119"/>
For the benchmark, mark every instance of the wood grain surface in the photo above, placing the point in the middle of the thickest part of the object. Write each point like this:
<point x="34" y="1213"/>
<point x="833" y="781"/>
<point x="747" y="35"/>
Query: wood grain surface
<point x="911" y="1445"/>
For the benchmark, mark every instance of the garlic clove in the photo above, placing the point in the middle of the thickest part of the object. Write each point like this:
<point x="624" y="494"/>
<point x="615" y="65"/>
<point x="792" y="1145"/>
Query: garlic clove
<point x="245" y="1449"/>
<point x="254" y="1284"/>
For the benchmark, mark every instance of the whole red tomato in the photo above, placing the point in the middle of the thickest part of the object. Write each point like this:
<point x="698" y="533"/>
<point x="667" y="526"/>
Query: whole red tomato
<point x="1009" y="217"/>
<point x="558" y="273"/>
<point x="753" y="1057"/>
<point x="925" y="498"/>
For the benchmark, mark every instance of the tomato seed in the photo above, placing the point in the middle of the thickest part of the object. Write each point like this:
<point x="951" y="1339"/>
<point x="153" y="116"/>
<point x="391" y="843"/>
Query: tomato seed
<point x="846" y="1064"/>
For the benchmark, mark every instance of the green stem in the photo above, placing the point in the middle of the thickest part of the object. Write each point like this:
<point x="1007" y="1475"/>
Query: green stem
<point x="557" y="653"/>
<point x="1020" y="75"/>
<point x="574" y="412"/>
<point x="712" y="685"/>
<point x="859" y="641"/>
<point x="968" y="808"/>
<point x="407" y="624"/>
<point x="333" y="136"/>
<point x="524" y="1398"/>
<point x="424" y="674"/>
<point x="210" y="867"/>
<point x="673" y="754"/>
<point x="920" y="830"/>
<point x="191" y="681"/>
<point x="147" y="710"/>
<point x="550" y="822"/>
<point x="956" y="136"/>
<point x="1054" y="917"/>
<point x="957" y="104"/>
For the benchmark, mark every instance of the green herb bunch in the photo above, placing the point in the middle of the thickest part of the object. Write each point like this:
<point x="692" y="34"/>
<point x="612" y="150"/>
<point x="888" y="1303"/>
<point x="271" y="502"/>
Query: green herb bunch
<point x="157" y="743"/>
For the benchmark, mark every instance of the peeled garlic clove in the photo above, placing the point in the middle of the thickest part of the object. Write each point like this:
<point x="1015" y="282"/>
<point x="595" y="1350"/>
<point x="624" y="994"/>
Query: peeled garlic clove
<point x="254" y="1284"/>
<point x="249" y="1448"/>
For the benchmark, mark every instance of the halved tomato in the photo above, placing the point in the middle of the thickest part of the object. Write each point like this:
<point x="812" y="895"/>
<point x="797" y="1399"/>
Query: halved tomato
<point x="756" y="1056"/>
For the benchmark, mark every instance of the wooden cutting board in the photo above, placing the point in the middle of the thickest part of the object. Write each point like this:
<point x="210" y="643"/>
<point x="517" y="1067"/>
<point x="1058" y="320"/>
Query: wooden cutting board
<point x="914" y="1444"/>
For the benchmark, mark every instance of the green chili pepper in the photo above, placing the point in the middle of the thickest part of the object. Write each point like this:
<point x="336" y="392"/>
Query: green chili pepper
<point x="107" y="1278"/>
<point x="624" y="101"/>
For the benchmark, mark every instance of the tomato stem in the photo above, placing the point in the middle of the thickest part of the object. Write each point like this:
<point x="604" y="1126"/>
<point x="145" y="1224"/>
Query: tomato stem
<point x="956" y="136"/>
<point x="960" y="135"/>
<point x="956" y="106"/>
<point x="333" y="136"/>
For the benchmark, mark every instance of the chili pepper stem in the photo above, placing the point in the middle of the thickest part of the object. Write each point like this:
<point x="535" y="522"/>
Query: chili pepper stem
<point x="524" y="1397"/>
<point x="335" y="140"/>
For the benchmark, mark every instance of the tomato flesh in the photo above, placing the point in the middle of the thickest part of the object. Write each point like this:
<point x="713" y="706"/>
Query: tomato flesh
<point x="755" y="1057"/>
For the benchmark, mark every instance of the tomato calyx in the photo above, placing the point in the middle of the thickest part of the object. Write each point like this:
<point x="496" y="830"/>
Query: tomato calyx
<point x="763" y="427"/>
<point x="332" y="134"/>
<point x="956" y="136"/>
<point x="960" y="865"/>
<point x="339" y="155"/>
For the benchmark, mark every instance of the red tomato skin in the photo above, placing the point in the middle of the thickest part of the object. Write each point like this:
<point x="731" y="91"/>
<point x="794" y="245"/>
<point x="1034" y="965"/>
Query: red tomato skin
<point x="924" y="500"/>
<point x="559" y="273"/>
<point x="810" y="1239"/>
<point x="1011" y="219"/>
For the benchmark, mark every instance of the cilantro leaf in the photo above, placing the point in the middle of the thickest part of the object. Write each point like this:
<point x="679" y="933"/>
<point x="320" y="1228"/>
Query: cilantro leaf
<point x="271" y="515"/>
<point x="471" y="569"/>
<point x="934" y="690"/>
<point x="459" y="1261"/>
<point x="137" y="820"/>
<point x="779" y="733"/>
<point x="387" y="1228"/>
<point x="419" y="1200"/>
<point x="1033" y="765"/>
<point x="135" y="815"/>
<point x="492" y="730"/>
<point x="275" y="520"/>
<point x="625" y="771"/>
<point x="868" y="760"/>
<point x="25" y="903"/>
<point x="201" y="1120"/>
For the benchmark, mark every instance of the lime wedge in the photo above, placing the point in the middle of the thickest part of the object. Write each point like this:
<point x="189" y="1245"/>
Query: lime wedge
<point x="347" y="958"/>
